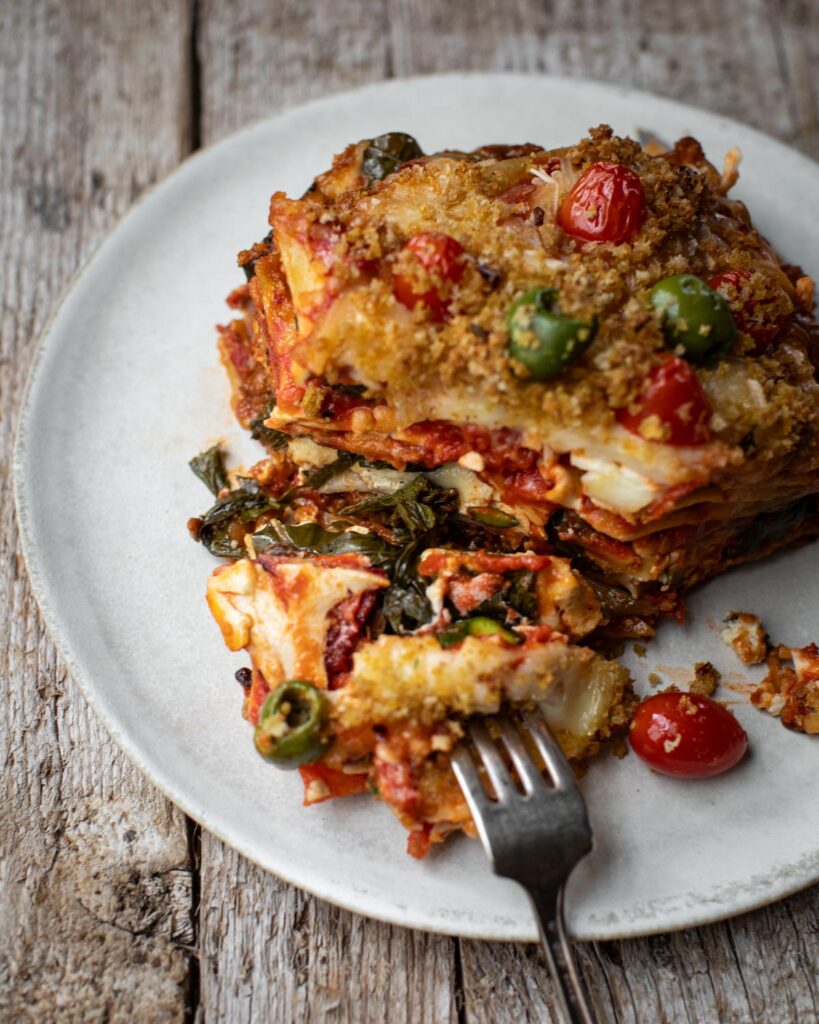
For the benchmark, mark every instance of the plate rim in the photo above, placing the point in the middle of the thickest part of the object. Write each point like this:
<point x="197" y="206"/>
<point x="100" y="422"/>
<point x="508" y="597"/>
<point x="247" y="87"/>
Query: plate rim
<point x="721" y="906"/>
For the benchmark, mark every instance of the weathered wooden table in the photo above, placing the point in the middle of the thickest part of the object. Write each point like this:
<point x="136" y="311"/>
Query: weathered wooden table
<point x="114" y="907"/>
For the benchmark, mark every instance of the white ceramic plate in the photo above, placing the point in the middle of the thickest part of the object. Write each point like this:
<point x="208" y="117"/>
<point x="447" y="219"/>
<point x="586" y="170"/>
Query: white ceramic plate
<point x="126" y="387"/>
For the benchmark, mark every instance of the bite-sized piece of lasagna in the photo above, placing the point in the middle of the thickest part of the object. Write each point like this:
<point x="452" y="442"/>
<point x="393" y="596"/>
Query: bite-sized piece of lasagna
<point x="384" y="710"/>
<point x="514" y="402"/>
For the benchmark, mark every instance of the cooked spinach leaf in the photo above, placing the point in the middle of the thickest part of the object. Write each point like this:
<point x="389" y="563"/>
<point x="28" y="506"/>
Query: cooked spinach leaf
<point x="518" y="594"/>
<point x="276" y="536"/>
<point x="319" y="477"/>
<point x="522" y="595"/>
<point x="271" y="439"/>
<point x="406" y="608"/>
<point x="387" y="152"/>
<point x="240" y="505"/>
<point x="413" y="510"/>
<point x="209" y="466"/>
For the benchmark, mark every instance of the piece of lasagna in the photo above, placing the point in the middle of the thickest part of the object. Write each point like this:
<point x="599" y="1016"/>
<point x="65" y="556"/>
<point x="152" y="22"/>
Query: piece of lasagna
<point x="515" y="402"/>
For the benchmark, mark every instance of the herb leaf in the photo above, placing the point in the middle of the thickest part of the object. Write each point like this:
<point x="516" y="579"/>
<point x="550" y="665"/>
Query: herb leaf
<point x="240" y="505"/>
<point x="406" y="608"/>
<point x="414" y="509"/>
<point x="387" y="152"/>
<point x="521" y="594"/>
<point x="271" y="439"/>
<point x="209" y="466"/>
<point x="312" y="537"/>
<point x="319" y="477"/>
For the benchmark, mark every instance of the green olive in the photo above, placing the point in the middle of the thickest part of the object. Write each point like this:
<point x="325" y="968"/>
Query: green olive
<point x="289" y="732"/>
<point x="480" y="625"/>
<point x="541" y="339"/>
<point x="695" y="317"/>
<point x="387" y="152"/>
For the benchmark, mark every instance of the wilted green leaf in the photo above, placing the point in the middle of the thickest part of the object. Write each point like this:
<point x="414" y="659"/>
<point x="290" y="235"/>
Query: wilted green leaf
<point x="209" y="466"/>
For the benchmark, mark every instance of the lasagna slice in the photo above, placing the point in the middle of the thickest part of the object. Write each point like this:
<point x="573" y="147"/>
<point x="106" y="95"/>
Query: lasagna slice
<point x="515" y="402"/>
<point x="597" y="332"/>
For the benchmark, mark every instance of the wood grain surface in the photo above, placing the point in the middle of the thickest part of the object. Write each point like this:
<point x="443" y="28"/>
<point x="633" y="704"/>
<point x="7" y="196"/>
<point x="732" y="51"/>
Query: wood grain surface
<point x="112" y="906"/>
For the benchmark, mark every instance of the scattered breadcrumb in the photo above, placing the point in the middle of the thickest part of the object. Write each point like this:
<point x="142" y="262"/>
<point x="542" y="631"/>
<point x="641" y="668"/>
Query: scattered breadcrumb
<point x="706" y="679"/>
<point x="654" y="679"/>
<point x="619" y="748"/>
<point x="639" y="650"/>
<point x="745" y="633"/>
<point x="790" y="689"/>
<point x="792" y="693"/>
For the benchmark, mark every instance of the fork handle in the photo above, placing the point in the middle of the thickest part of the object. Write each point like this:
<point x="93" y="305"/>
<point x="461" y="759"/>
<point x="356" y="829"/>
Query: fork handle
<point x="571" y="997"/>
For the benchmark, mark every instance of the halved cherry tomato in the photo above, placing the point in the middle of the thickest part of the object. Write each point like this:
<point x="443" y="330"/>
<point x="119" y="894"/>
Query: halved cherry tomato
<point x="440" y="256"/>
<point x="686" y="735"/>
<point x="606" y="204"/>
<point x="747" y="314"/>
<point x="673" y="396"/>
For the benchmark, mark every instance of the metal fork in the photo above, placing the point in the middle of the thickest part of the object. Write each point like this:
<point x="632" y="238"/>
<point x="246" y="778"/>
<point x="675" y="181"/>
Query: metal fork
<point x="535" y="837"/>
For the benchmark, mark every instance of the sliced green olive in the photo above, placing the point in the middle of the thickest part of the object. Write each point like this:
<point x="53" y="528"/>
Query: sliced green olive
<point x="387" y="152"/>
<point x="488" y="516"/>
<point x="289" y="732"/>
<point x="696" y="319"/>
<point x="480" y="625"/>
<point x="541" y="339"/>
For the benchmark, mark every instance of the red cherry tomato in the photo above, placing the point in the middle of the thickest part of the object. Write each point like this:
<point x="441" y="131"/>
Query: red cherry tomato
<point x="440" y="256"/>
<point x="606" y="204"/>
<point x="674" y="396"/>
<point x="746" y="312"/>
<point x="687" y="735"/>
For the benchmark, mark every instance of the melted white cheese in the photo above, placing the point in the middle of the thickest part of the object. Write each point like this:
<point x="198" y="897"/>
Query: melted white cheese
<point x="281" y="616"/>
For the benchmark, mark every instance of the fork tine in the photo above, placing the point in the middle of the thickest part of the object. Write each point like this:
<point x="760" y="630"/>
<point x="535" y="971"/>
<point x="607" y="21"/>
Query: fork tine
<point x="529" y="772"/>
<point x="553" y="757"/>
<point x="492" y="761"/>
<point x="466" y="772"/>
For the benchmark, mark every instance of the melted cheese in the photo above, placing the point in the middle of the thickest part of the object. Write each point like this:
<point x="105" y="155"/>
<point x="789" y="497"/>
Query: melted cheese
<point x="281" y="615"/>
<point x="616" y="488"/>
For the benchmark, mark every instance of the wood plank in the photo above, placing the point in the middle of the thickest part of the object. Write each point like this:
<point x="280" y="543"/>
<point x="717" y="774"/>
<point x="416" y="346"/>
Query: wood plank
<point x="271" y="952"/>
<point x="95" y="884"/>
<point x="757" y="969"/>
<point x="795" y="29"/>
<point x="258" y="58"/>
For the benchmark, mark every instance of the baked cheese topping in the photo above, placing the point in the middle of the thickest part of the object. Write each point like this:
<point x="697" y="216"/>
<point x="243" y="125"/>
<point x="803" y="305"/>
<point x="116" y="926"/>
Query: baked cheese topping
<point x="399" y="679"/>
